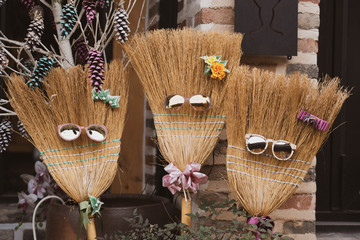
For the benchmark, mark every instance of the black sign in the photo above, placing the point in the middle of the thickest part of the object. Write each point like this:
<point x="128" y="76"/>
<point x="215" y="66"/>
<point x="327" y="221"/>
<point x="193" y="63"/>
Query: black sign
<point x="270" y="26"/>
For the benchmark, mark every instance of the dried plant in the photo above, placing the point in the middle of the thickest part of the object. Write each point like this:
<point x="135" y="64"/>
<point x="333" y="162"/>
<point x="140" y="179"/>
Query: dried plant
<point x="260" y="102"/>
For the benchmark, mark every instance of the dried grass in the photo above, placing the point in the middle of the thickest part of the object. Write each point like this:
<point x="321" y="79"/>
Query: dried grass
<point x="263" y="103"/>
<point x="68" y="100"/>
<point x="168" y="62"/>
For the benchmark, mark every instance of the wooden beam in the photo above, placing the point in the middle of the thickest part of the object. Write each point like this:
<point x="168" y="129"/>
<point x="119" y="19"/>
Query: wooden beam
<point x="131" y="162"/>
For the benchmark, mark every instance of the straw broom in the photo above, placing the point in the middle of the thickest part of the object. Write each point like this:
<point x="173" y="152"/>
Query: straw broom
<point x="267" y="104"/>
<point x="167" y="63"/>
<point x="81" y="167"/>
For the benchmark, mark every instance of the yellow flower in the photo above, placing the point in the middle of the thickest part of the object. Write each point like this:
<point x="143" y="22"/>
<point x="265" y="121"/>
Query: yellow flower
<point x="210" y="60"/>
<point x="218" y="71"/>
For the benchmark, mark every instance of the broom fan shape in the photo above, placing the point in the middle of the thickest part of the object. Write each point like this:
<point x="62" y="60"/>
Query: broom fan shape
<point x="81" y="167"/>
<point x="260" y="102"/>
<point x="168" y="63"/>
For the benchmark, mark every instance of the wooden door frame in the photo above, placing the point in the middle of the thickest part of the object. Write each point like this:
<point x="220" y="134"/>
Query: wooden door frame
<point x="333" y="61"/>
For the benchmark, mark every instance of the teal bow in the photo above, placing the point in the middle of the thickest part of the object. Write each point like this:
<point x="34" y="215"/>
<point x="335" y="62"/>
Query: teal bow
<point x="86" y="207"/>
<point x="104" y="95"/>
<point x="95" y="204"/>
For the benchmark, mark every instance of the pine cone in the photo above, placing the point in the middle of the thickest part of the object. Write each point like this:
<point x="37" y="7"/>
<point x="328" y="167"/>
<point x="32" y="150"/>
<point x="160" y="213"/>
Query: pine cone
<point x="28" y="3"/>
<point x="29" y="65"/>
<point x="95" y="69"/>
<point x="35" y="29"/>
<point x="121" y="25"/>
<point x="5" y="135"/>
<point x="81" y="50"/>
<point x="43" y="66"/>
<point x="2" y="2"/>
<point x="22" y="129"/>
<point x="90" y="9"/>
<point x="3" y="61"/>
<point x="68" y="19"/>
<point x="103" y="3"/>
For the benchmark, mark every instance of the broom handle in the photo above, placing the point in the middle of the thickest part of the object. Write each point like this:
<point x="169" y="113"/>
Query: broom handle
<point x="185" y="209"/>
<point x="90" y="230"/>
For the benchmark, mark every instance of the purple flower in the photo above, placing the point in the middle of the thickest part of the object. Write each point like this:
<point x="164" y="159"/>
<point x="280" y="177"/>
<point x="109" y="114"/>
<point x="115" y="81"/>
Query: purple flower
<point x="42" y="174"/>
<point x="35" y="188"/>
<point x="27" y="177"/>
<point x="26" y="200"/>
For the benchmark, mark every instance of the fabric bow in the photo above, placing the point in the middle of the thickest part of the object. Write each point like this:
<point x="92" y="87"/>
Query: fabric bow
<point x="261" y="224"/>
<point x="191" y="178"/>
<point x="86" y="207"/>
<point x="104" y="95"/>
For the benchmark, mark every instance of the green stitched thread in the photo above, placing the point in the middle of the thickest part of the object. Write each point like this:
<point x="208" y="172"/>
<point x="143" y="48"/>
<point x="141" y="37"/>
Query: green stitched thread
<point x="186" y="115"/>
<point x="196" y="129"/>
<point x="78" y="161"/>
<point x="89" y="145"/>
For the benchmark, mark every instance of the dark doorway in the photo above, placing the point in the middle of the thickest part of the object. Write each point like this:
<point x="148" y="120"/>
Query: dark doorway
<point x="338" y="166"/>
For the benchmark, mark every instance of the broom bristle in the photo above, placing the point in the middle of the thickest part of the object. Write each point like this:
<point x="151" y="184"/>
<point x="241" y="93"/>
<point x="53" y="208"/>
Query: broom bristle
<point x="82" y="166"/>
<point x="168" y="63"/>
<point x="267" y="104"/>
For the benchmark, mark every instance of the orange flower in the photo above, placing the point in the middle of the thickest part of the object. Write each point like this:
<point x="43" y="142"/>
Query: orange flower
<point x="218" y="71"/>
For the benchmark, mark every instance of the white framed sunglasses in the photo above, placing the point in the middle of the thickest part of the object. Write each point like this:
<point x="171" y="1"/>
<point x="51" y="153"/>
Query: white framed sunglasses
<point x="198" y="102"/>
<point x="281" y="149"/>
<point x="71" y="131"/>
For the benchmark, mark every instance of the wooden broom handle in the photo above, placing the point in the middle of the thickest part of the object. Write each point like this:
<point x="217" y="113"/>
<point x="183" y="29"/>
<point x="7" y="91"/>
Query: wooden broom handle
<point x="185" y="209"/>
<point x="91" y="231"/>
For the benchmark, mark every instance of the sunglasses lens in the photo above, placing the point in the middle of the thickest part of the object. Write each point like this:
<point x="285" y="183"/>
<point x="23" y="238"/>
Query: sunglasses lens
<point x="174" y="102"/>
<point x="200" y="102"/>
<point x="256" y="144"/>
<point x="96" y="133"/>
<point x="69" y="132"/>
<point x="282" y="150"/>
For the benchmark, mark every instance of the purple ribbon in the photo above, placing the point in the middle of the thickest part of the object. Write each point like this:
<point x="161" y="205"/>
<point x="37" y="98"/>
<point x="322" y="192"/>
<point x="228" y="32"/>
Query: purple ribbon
<point x="191" y="178"/>
<point x="313" y="120"/>
<point x="256" y="221"/>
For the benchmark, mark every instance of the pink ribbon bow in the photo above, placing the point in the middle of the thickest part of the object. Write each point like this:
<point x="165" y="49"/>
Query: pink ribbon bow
<point x="191" y="178"/>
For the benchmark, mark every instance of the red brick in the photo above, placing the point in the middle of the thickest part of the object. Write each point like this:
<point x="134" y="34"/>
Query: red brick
<point x="150" y="142"/>
<point x="150" y="160"/>
<point x="218" y="15"/>
<point x="313" y="1"/>
<point x="299" y="202"/>
<point x="308" y="45"/>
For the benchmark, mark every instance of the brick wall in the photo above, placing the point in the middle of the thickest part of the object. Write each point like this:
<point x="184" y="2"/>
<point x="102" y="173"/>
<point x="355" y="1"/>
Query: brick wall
<point x="296" y="217"/>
